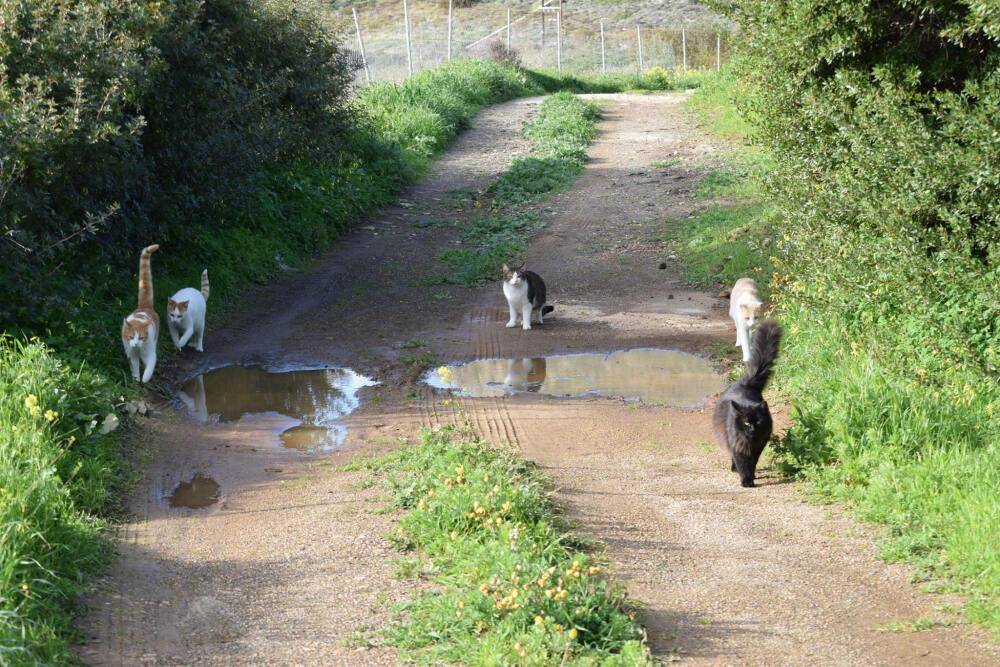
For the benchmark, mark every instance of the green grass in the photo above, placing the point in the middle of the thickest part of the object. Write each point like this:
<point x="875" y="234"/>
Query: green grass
<point x="891" y="415"/>
<point x="58" y="471"/>
<point x="558" y="136"/>
<point x="712" y="105"/>
<point x="512" y="586"/>
<point x="655" y="79"/>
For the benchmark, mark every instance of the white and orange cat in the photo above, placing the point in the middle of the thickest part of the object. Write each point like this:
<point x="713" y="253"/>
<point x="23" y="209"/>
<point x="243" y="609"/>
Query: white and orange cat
<point x="186" y="315"/>
<point x="142" y="327"/>
<point x="743" y="306"/>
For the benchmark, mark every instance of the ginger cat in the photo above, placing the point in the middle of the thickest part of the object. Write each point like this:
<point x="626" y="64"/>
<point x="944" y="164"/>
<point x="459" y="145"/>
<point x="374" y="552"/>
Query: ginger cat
<point x="142" y="327"/>
<point x="186" y="315"/>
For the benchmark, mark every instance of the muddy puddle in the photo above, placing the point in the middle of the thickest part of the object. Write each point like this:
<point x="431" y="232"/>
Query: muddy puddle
<point x="662" y="377"/>
<point x="314" y="399"/>
<point x="201" y="491"/>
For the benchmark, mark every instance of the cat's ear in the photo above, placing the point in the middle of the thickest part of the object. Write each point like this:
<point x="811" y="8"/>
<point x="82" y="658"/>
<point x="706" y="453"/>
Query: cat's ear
<point x="183" y="304"/>
<point x="505" y="269"/>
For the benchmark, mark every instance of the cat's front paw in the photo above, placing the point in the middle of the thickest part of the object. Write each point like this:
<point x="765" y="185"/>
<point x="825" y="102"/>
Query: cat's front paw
<point x="512" y="324"/>
<point x="526" y="327"/>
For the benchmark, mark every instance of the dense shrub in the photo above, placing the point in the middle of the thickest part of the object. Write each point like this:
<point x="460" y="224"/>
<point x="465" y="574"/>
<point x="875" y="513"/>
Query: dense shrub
<point x="125" y="123"/>
<point x="882" y="120"/>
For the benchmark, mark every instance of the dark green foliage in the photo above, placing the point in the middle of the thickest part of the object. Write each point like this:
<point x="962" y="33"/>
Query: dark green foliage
<point x="882" y="119"/>
<point x="123" y="124"/>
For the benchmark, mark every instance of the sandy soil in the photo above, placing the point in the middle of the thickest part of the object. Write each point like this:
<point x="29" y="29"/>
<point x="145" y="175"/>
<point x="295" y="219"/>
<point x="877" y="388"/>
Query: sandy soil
<point x="290" y="563"/>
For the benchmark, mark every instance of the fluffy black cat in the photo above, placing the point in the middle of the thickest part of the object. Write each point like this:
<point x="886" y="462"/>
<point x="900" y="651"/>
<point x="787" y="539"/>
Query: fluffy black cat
<point x="742" y="420"/>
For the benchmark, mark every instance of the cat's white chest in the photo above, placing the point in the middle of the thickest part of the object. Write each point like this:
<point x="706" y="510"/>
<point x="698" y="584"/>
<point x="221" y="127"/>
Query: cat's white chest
<point x="516" y="294"/>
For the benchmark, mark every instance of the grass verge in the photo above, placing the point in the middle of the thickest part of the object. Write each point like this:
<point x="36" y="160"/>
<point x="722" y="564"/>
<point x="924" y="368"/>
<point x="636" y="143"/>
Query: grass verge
<point x="892" y="414"/>
<point x="559" y="137"/>
<point x="514" y="587"/>
<point x="60" y="468"/>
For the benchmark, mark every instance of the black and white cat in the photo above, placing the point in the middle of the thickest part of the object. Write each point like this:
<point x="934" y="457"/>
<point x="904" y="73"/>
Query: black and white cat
<point x="525" y="292"/>
<point x="742" y="421"/>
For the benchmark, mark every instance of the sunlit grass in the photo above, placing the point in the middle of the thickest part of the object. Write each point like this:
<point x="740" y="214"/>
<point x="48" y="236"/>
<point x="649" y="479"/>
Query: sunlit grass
<point x="512" y="585"/>
<point x="887" y="417"/>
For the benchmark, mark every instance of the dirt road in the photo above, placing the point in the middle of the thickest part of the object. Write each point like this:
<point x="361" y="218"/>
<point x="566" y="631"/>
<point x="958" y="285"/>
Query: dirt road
<point x="290" y="561"/>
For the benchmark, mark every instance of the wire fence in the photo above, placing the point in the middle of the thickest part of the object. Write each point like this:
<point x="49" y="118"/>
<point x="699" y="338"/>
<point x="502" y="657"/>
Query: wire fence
<point x="421" y="36"/>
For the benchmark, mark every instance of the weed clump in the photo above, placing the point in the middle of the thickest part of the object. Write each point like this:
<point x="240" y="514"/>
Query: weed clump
<point x="514" y="585"/>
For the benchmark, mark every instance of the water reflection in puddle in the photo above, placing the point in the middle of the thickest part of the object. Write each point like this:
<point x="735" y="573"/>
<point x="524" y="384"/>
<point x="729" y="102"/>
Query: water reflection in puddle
<point x="664" y="377"/>
<point x="201" y="491"/>
<point x="316" y="398"/>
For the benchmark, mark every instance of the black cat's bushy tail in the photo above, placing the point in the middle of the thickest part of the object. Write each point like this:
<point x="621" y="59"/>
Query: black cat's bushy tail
<point x="547" y="309"/>
<point x="762" y="355"/>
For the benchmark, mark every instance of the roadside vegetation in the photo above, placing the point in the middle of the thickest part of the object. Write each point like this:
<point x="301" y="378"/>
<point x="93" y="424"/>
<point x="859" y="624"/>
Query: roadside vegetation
<point x="559" y="136"/>
<point x="60" y="467"/>
<point x="879" y="203"/>
<point x="512" y="585"/>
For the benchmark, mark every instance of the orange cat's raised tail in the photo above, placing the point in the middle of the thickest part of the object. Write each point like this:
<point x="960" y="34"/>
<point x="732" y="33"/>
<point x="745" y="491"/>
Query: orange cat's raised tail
<point x="141" y="328"/>
<point x="146" y="278"/>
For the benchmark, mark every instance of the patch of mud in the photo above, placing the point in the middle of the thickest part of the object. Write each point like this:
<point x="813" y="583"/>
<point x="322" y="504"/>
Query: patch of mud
<point x="662" y="377"/>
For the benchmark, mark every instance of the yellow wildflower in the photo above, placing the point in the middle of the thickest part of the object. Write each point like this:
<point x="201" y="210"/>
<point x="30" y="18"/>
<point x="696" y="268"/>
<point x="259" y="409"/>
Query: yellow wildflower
<point x="572" y="633"/>
<point x="31" y="402"/>
<point x="539" y="620"/>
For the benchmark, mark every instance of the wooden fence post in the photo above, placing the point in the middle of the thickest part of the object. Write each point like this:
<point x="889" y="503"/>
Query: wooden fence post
<point x="449" y="30"/>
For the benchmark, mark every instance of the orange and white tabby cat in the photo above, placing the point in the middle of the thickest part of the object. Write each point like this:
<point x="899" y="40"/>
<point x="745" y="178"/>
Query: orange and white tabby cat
<point x="142" y="327"/>
<point x="186" y="315"/>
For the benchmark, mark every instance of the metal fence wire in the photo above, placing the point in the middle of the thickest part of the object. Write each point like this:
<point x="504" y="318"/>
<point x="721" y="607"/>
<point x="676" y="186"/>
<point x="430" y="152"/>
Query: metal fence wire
<point x="536" y="36"/>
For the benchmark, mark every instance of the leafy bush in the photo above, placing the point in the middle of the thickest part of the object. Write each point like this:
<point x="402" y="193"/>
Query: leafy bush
<point x="882" y="122"/>
<point x="125" y="123"/>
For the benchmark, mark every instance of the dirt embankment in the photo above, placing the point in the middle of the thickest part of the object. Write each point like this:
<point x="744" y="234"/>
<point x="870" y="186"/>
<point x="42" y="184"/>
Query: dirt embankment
<point x="290" y="561"/>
